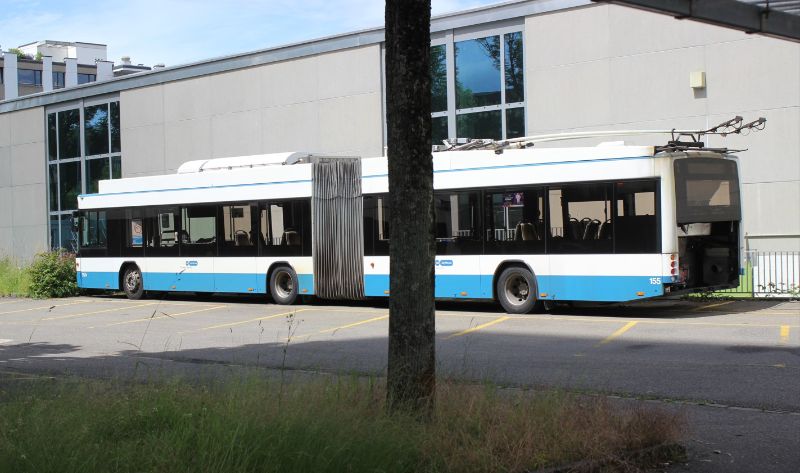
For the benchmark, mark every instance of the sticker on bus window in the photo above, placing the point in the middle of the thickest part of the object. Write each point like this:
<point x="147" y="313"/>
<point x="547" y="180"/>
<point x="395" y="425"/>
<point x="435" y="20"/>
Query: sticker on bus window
<point x="513" y="199"/>
<point x="136" y="232"/>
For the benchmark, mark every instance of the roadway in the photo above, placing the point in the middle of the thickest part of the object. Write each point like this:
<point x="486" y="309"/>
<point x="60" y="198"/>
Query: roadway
<point x="734" y="361"/>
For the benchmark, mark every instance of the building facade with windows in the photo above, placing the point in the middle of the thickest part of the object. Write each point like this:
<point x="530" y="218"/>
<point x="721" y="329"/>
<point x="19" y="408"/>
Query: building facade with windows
<point x="519" y="68"/>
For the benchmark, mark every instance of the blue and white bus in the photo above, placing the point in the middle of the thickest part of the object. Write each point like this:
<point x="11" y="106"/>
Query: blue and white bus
<point x="608" y="223"/>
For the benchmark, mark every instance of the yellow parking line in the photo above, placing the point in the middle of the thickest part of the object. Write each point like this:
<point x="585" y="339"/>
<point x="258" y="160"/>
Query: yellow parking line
<point x="619" y="332"/>
<point x="165" y="316"/>
<point x="234" y="324"/>
<point x="718" y="304"/>
<point x="479" y="327"/>
<point x="44" y="307"/>
<point x="784" y="334"/>
<point x="354" y="324"/>
<point x="103" y="311"/>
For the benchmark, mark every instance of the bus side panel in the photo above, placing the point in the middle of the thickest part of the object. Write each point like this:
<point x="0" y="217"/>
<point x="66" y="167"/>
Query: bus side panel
<point x="98" y="273"/>
<point x="238" y="274"/>
<point x="195" y="274"/>
<point x="604" y="278"/>
<point x="457" y="277"/>
<point x="376" y="276"/>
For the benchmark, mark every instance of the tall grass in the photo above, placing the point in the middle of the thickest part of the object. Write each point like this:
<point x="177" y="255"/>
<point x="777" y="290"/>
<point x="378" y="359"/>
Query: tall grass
<point x="321" y="426"/>
<point x="14" y="279"/>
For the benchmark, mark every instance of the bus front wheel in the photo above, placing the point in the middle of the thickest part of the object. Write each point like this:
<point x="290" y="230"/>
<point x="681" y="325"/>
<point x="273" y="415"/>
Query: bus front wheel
<point x="283" y="285"/>
<point x="516" y="290"/>
<point x="132" y="283"/>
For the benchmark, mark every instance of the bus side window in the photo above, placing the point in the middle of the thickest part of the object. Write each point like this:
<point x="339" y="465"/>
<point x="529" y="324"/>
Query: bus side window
<point x="457" y="223"/>
<point x="514" y="221"/>
<point x="582" y="213"/>
<point x="636" y="222"/>
<point x="161" y="231"/>
<point x="198" y="231"/>
<point x="282" y="227"/>
<point x="239" y="238"/>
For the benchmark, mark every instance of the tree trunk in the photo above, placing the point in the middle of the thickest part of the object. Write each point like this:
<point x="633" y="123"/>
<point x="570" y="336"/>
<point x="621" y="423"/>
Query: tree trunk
<point x="412" y="350"/>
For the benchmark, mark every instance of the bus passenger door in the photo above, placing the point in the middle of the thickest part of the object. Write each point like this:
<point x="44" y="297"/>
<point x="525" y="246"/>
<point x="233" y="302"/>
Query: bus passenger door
<point x="458" y="245"/>
<point x="235" y="266"/>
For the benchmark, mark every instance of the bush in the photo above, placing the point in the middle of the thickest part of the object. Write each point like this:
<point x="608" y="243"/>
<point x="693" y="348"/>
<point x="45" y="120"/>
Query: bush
<point x="52" y="274"/>
<point x="14" y="280"/>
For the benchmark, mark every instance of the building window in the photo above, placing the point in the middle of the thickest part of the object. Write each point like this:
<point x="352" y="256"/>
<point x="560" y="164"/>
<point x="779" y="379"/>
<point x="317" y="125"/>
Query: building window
<point x="29" y="77"/>
<point x="58" y="80"/>
<point x="479" y="91"/>
<point x="83" y="148"/>
<point x="86" y="78"/>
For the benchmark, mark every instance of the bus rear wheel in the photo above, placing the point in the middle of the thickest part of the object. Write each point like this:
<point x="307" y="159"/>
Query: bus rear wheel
<point x="132" y="283"/>
<point x="516" y="290"/>
<point x="283" y="285"/>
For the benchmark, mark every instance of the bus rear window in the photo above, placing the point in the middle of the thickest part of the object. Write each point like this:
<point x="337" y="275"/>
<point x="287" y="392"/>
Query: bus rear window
<point x="706" y="190"/>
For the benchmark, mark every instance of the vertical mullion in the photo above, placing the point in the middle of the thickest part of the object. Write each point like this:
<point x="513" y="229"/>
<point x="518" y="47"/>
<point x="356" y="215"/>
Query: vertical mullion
<point x="502" y="86"/>
<point x="450" y="67"/>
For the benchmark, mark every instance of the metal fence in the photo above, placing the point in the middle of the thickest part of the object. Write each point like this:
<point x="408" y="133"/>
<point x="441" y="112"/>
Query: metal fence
<point x="774" y="274"/>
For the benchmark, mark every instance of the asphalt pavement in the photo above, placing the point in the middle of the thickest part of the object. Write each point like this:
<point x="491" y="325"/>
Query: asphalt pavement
<point x="732" y="366"/>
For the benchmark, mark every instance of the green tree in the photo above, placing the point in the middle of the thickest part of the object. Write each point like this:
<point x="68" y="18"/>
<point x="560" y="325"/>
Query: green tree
<point x="412" y="350"/>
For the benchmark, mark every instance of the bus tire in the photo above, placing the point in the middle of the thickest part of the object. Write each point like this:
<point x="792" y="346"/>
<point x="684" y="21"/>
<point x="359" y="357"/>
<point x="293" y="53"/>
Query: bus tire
<point x="283" y="285"/>
<point x="516" y="290"/>
<point x="132" y="282"/>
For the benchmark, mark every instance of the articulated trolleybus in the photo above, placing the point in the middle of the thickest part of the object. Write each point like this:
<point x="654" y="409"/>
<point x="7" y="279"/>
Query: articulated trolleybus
<point x="521" y="226"/>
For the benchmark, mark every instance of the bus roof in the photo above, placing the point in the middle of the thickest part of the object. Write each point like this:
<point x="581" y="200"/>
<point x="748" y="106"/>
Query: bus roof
<point x="276" y="169"/>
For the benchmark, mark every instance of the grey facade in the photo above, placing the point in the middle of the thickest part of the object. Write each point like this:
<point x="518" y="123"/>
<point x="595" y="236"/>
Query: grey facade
<point x="585" y="66"/>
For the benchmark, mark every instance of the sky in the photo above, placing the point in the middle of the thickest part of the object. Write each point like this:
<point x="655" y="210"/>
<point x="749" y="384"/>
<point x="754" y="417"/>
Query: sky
<point x="181" y="31"/>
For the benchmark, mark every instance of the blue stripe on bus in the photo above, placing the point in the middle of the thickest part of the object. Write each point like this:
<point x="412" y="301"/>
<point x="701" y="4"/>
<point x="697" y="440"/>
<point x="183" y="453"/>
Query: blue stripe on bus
<point x="98" y="280"/>
<point x="599" y="288"/>
<point x="447" y="286"/>
<point x="566" y="288"/>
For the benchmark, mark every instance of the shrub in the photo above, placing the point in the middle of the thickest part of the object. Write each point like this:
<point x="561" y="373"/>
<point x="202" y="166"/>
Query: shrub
<point x="52" y="274"/>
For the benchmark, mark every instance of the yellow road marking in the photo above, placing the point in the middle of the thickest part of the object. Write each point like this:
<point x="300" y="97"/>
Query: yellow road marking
<point x="479" y="327"/>
<point x="165" y="316"/>
<point x="619" y="332"/>
<point x="718" y="304"/>
<point x="784" y="334"/>
<point x="44" y="307"/>
<point x="354" y="324"/>
<point x="103" y="311"/>
<point x="234" y="324"/>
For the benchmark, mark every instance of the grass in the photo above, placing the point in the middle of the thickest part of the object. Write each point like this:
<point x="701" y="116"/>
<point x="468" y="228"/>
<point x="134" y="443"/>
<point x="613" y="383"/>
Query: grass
<point x="334" y="425"/>
<point x="14" y="280"/>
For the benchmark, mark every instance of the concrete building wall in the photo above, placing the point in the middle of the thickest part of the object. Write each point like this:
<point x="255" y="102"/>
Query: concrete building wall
<point x="611" y="67"/>
<point x="327" y="103"/>
<point x="23" y="204"/>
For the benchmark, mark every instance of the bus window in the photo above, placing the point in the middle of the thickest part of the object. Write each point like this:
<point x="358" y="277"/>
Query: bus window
<point x="283" y="228"/>
<point x="376" y="225"/>
<point x="131" y="225"/>
<point x="238" y="236"/>
<point x="456" y="224"/>
<point x="580" y="219"/>
<point x="515" y="221"/>
<point x="198" y="232"/>
<point x="160" y="232"/>
<point x="93" y="230"/>
<point x="636" y="219"/>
